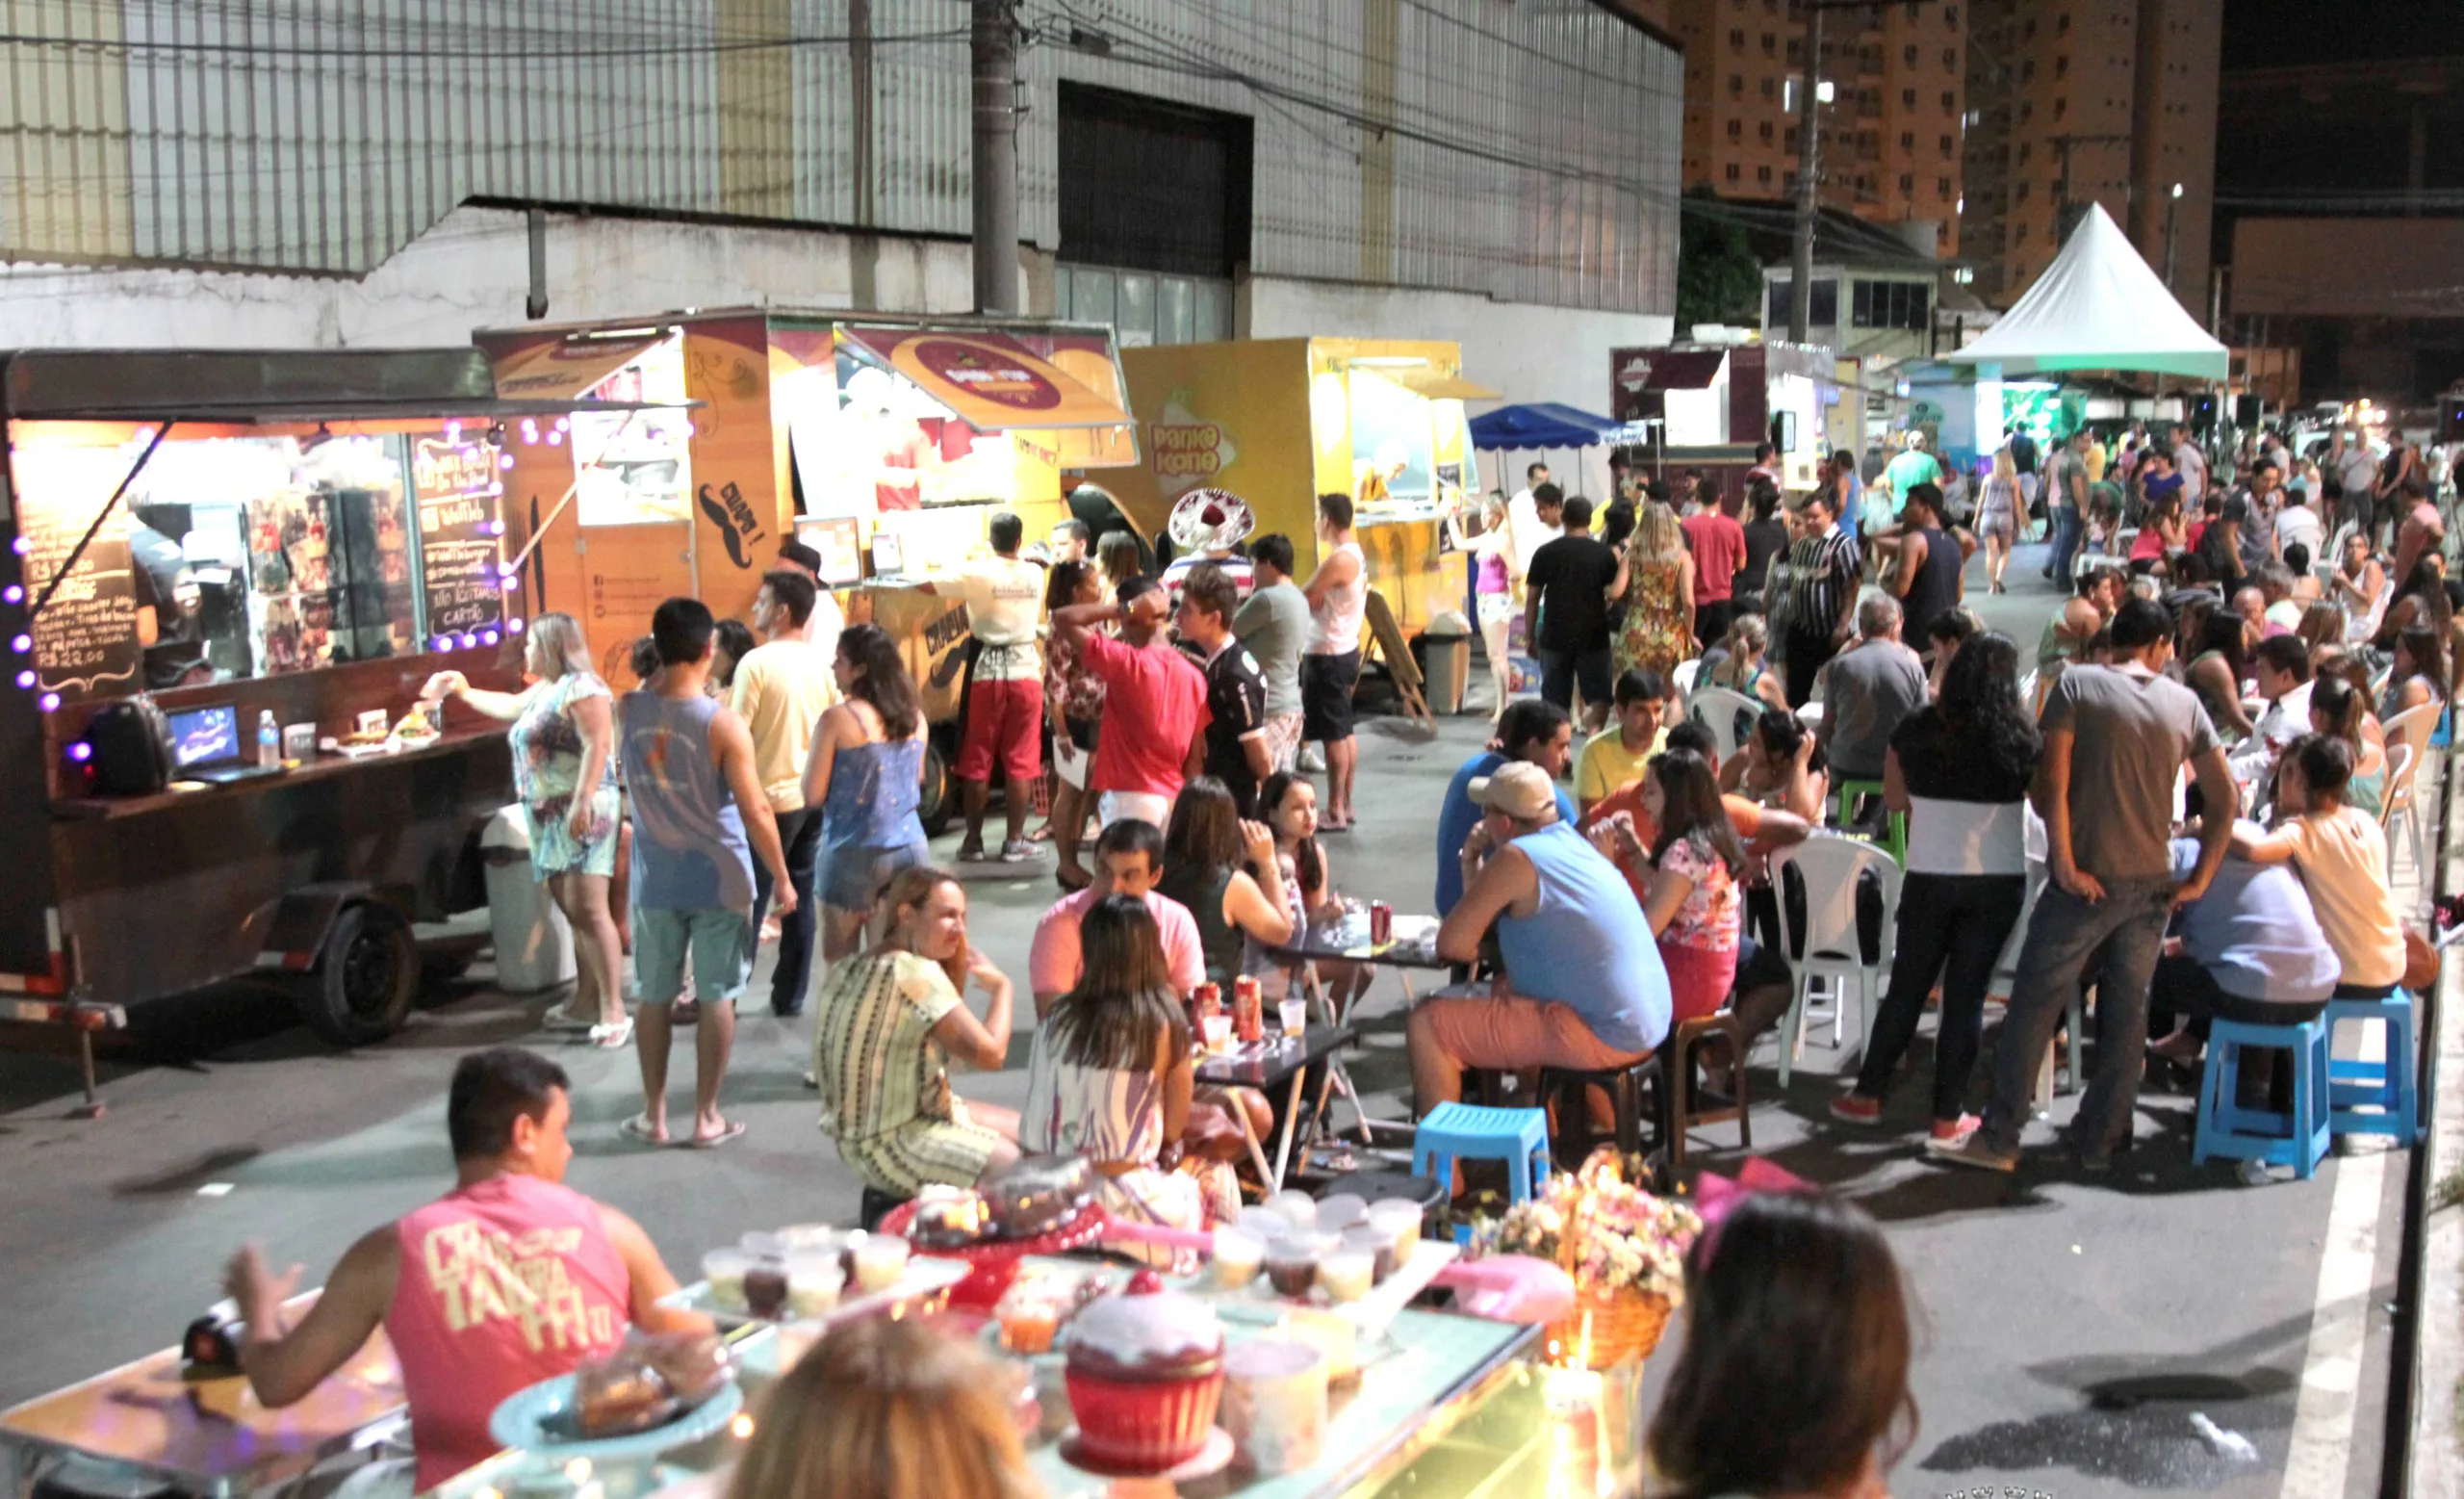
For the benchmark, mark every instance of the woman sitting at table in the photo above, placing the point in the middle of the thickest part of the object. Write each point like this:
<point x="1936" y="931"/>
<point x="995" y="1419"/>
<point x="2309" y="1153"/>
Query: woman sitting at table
<point x="1793" y="1375"/>
<point x="887" y="1407"/>
<point x="1109" y="1076"/>
<point x="1781" y="767"/>
<point x="887" y="1026"/>
<point x="1691" y="900"/>
<point x="2341" y="712"/>
<point x="1224" y="869"/>
<point x="2342" y="858"/>
<point x="1289" y="802"/>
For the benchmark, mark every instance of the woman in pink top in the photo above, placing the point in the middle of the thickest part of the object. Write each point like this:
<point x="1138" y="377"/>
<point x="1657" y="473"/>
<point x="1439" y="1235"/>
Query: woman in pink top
<point x="508" y="1280"/>
<point x="1692" y="906"/>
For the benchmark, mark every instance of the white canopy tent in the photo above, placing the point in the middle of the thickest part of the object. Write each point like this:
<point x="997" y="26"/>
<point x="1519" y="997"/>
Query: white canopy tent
<point x="2098" y="306"/>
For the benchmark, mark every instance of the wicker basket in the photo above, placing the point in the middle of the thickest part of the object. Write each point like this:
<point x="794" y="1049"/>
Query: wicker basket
<point x="1622" y="1325"/>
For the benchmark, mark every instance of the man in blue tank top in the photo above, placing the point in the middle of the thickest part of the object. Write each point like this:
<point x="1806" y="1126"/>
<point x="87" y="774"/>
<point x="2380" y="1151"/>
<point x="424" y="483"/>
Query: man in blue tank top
<point x="698" y="812"/>
<point x="1582" y="985"/>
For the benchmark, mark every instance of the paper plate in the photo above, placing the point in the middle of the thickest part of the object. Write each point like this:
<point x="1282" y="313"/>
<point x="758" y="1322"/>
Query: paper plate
<point x="530" y="1419"/>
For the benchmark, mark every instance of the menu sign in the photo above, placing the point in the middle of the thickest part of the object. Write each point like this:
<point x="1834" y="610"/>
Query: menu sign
<point x="457" y="486"/>
<point x="86" y="637"/>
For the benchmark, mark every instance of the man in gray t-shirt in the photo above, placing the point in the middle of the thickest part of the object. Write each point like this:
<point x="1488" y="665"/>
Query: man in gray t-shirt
<point x="2116" y="737"/>
<point x="1867" y="690"/>
<point x="1273" y="623"/>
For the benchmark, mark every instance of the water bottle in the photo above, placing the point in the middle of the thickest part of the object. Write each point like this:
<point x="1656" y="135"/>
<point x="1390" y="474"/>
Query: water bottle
<point x="268" y="741"/>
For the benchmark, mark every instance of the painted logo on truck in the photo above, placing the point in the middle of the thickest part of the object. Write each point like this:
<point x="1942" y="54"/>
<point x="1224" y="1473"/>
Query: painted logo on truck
<point x="986" y="373"/>
<point x="1185" y="449"/>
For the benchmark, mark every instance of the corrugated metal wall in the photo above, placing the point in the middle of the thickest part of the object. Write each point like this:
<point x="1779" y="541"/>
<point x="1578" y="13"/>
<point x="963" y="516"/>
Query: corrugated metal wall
<point x="1526" y="150"/>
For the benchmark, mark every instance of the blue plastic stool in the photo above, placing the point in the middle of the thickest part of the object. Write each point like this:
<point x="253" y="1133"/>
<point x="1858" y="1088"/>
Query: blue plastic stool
<point x="2374" y="1097"/>
<point x="2300" y="1139"/>
<point x="1467" y="1133"/>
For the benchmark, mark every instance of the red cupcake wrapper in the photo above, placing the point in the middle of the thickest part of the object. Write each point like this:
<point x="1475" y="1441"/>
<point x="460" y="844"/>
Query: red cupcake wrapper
<point x="1146" y="1424"/>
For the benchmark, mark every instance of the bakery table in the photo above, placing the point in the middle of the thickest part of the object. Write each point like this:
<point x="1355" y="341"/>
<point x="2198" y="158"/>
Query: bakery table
<point x="205" y="1436"/>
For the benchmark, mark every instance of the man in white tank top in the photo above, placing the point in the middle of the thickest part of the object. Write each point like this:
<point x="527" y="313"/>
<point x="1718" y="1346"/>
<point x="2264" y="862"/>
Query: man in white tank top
<point x="1338" y="602"/>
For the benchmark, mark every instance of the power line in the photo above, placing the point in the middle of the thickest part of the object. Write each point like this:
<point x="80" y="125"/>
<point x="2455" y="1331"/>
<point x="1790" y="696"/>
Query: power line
<point x="127" y="46"/>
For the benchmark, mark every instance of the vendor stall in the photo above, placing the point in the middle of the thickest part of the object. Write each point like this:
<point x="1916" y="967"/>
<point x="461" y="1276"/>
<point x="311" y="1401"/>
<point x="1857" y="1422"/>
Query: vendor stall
<point x="228" y="576"/>
<point x="1708" y="406"/>
<point x="886" y="444"/>
<point x="1280" y="422"/>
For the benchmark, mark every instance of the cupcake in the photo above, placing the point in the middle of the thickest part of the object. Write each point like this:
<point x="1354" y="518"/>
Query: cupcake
<point x="1144" y="1374"/>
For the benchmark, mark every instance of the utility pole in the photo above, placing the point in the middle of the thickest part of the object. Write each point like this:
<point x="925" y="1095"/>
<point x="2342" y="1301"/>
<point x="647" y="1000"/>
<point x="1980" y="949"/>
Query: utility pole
<point x="1808" y="169"/>
<point x="994" y="48"/>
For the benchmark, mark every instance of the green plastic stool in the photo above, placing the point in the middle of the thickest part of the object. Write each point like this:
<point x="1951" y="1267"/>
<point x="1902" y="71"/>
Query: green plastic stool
<point x="1894" y="838"/>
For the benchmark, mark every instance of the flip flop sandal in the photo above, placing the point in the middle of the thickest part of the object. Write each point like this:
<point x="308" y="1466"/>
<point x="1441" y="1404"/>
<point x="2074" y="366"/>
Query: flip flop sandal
<point x="734" y="1128"/>
<point x="612" y="1037"/>
<point x="638" y="1127"/>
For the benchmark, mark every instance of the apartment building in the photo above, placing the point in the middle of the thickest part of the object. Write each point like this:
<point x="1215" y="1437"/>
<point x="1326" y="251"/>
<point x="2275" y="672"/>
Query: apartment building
<point x="2080" y="101"/>
<point x="1891" y="148"/>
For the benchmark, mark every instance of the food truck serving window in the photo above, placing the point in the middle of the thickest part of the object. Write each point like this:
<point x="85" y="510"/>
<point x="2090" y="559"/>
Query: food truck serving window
<point x="238" y="557"/>
<point x="1393" y="439"/>
<point x="635" y="467"/>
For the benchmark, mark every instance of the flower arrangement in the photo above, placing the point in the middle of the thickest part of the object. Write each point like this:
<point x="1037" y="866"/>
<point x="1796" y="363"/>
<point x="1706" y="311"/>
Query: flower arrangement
<point x="1610" y="1235"/>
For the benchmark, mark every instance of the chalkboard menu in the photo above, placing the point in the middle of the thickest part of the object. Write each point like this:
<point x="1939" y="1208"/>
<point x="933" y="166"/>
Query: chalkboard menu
<point x="458" y="488"/>
<point x="86" y="637"/>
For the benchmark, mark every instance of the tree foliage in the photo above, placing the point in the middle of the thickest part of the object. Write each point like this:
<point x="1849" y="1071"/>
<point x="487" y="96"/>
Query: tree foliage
<point x="1718" y="280"/>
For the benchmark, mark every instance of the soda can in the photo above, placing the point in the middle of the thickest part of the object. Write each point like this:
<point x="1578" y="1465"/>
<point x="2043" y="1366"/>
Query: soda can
<point x="1381" y="924"/>
<point x="1248" y="1009"/>
<point x="1206" y="1002"/>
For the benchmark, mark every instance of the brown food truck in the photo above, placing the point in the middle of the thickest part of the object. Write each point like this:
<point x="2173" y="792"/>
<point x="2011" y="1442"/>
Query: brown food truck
<point x="205" y="546"/>
<point x="885" y="443"/>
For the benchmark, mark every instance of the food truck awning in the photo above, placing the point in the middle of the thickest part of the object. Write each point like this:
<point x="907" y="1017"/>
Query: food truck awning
<point x="1427" y="382"/>
<point x="990" y="379"/>
<point x="563" y="370"/>
<point x="260" y="387"/>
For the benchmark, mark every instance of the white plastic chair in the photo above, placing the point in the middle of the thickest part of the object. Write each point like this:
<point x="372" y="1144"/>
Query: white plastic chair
<point x="2396" y="800"/>
<point x="1684" y="674"/>
<point x="1830" y="865"/>
<point x="1717" y="708"/>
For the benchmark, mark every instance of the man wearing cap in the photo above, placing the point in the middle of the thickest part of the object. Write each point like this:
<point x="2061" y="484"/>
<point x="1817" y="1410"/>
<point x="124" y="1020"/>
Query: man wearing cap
<point x="1582" y="985"/>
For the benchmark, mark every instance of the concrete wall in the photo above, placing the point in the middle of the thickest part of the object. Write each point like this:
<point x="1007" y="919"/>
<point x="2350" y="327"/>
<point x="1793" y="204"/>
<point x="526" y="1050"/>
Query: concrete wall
<point x="472" y="270"/>
<point x="1526" y="353"/>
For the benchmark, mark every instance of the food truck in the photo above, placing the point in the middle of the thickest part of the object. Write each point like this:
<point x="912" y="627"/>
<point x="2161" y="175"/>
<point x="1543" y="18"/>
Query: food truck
<point x="1280" y="421"/>
<point x="1709" y="404"/>
<point x="228" y="576"/>
<point x="707" y="438"/>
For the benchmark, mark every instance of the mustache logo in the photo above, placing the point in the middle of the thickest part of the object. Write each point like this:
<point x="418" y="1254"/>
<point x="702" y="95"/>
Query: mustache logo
<point x="738" y="527"/>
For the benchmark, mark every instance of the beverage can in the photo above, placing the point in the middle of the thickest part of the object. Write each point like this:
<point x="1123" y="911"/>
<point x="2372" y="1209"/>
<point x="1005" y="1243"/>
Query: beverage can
<point x="1248" y="1009"/>
<point x="1206" y="1002"/>
<point x="1381" y="924"/>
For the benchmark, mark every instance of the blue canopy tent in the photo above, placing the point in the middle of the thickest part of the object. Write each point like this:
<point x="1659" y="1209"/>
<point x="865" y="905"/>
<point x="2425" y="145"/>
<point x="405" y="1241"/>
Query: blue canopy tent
<point x="1539" y="424"/>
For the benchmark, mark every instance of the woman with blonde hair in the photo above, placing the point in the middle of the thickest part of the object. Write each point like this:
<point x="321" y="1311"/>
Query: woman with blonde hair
<point x="887" y="1407"/>
<point x="564" y="771"/>
<point x="1997" y="517"/>
<point x="1744" y="667"/>
<point x="1493" y="590"/>
<point x="1655" y="582"/>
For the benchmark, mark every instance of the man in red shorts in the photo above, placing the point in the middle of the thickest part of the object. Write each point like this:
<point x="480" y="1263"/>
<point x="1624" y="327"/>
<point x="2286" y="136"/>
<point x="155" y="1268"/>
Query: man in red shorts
<point x="1004" y="600"/>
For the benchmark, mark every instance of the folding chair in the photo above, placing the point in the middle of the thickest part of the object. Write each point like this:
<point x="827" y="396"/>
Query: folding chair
<point x="1831" y="867"/>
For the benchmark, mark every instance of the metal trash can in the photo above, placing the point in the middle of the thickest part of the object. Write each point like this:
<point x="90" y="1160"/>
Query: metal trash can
<point x="534" y="944"/>
<point x="1445" y="661"/>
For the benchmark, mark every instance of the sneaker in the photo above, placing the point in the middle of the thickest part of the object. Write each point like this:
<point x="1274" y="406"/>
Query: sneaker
<point x="1954" y="1131"/>
<point x="2252" y="1174"/>
<point x="1856" y="1109"/>
<point x="1020" y="852"/>
<point x="1972" y="1151"/>
<point x="1312" y="758"/>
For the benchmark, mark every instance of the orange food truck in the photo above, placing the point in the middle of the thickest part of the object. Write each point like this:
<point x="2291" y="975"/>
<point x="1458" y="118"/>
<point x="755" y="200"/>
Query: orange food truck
<point x="1280" y="421"/>
<point x="885" y="443"/>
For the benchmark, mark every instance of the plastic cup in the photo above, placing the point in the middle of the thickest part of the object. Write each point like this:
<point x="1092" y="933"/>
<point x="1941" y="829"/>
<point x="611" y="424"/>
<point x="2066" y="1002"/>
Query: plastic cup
<point x="1299" y="1208"/>
<point x="1400" y="1217"/>
<point x="1348" y="1273"/>
<point x="881" y="1260"/>
<point x="1291" y="1263"/>
<point x="1376" y="1243"/>
<point x="1216" y="1030"/>
<point x="1340" y="1210"/>
<point x="1264" y="1224"/>
<point x="724" y="1269"/>
<point x="1238" y="1257"/>
<point x="815" y="1279"/>
<point x="1295" y="1014"/>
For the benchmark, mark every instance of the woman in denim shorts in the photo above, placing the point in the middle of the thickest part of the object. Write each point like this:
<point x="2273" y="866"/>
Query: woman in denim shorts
<point x="866" y="773"/>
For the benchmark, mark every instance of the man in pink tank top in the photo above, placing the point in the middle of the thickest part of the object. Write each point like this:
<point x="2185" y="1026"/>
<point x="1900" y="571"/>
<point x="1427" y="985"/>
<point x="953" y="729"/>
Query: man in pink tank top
<point x="508" y="1280"/>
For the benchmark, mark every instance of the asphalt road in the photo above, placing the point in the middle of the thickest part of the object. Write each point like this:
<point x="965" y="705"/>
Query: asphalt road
<point x="2070" y="1328"/>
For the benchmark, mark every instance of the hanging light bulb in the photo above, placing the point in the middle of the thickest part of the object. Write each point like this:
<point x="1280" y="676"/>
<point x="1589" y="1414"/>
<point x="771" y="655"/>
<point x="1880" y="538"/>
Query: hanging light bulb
<point x="505" y="461"/>
<point x="13" y="594"/>
<point x="21" y="643"/>
<point x="26" y="680"/>
<point x="514" y="625"/>
<point x="488" y="638"/>
<point x="443" y="642"/>
<point x="51" y="702"/>
<point x="81" y="752"/>
<point x="468" y="639"/>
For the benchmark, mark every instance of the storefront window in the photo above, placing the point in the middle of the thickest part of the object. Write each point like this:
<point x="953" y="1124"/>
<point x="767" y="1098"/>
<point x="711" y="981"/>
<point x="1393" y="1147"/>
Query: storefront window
<point x="635" y="468"/>
<point x="229" y="557"/>
<point x="1391" y="438"/>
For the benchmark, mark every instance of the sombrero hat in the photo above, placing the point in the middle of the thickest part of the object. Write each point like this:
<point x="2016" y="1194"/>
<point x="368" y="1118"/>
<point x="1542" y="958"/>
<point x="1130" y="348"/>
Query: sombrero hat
<point x="1209" y="520"/>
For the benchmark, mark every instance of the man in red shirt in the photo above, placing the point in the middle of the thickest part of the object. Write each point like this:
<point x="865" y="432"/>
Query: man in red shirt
<point x="1717" y="540"/>
<point x="1153" y="734"/>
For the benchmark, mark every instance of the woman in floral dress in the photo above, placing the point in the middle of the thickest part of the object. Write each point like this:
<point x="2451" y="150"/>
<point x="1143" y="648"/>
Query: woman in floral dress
<point x="1658" y="595"/>
<point x="564" y="748"/>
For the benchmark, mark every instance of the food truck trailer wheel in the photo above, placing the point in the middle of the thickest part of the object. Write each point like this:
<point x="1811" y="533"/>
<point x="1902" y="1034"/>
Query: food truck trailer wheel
<point x="938" y="802"/>
<point x="366" y="977"/>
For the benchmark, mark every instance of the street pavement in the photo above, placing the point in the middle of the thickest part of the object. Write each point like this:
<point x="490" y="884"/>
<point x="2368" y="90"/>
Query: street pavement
<point x="2070" y="1329"/>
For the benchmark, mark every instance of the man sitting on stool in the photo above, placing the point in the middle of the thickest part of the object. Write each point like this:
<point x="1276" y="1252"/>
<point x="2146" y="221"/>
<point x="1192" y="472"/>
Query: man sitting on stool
<point x="1582" y="987"/>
